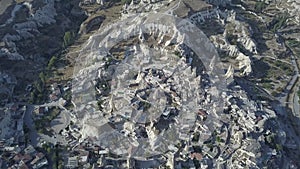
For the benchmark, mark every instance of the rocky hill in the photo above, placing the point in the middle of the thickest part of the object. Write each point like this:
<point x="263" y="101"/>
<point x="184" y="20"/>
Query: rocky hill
<point x="153" y="83"/>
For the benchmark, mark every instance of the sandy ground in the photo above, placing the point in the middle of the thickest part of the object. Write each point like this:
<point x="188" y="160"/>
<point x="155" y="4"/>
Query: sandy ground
<point x="4" y="4"/>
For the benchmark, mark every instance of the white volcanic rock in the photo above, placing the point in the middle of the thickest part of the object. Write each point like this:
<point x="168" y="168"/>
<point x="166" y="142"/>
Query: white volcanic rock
<point x="142" y="6"/>
<point x="244" y="64"/>
<point x="201" y="16"/>
<point x="248" y="43"/>
<point x="241" y="30"/>
<point x="242" y="33"/>
<point x="243" y="61"/>
<point x="295" y="11"/>
<point x="230" y="72"/>
<point x="100" y="2"/>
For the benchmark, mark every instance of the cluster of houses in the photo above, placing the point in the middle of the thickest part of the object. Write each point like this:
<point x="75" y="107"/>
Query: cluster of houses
<point x="28" y="158"/>
<point x="14" y="147"/>
<point x="55" y="92"/>
<point x="206" y="138"/>
<point x="202" y="16"/>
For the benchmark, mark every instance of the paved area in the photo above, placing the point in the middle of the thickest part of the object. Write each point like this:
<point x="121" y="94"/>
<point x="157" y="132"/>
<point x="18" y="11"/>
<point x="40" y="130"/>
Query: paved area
<point x="61" y="121"/>
<point x="58" y="103"/>
<point x="54" y="139"/>
<point x="28" y="120"/>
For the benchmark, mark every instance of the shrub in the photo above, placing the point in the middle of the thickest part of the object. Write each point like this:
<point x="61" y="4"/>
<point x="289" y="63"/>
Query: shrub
<point x="42" y="77"/>
<point x="218" y="139"/>
<point x="52" y="62"/>
<point x="68" y="38"/>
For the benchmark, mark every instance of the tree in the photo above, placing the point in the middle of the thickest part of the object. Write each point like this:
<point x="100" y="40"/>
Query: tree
<point x="68" y="95"/>
<point x="278" y="147"/>
<point x="42" y="77"/>
<point x="48" y="149"/>
<point x="168" y="167"/>
<point x="39" y="87"/>
<point x="177" y="53"/>
<point x="54" y="158"/>
<point x="40" y="131"/>
<point x="32" y="97"/>
<point x="68" y="38"/>
<point x="60" y="166"/>
<point x="40" y="97"/>
<point x="52" y="62"/>
<point x="218" y="139"/>
<point x="196" y="137"/>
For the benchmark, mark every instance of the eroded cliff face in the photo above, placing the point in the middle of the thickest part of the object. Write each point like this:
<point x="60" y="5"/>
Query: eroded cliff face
<point x="33" y="31"/>
<point x="237" y="43"/>
<point x="240" y="32"/>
